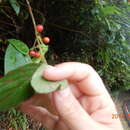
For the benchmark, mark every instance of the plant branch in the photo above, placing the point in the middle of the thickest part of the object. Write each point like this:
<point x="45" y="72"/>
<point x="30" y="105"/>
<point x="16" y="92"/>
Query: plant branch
<point x="32" y="16"/>
<point x="34" y="10"/>
<point x="67" y="29"/>
<point x="38" y="37"/>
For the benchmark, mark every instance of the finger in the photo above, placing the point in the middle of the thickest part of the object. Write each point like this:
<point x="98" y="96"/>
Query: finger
<point x="61" y="126"/>
<point x="71" y="111"/>
<point x="94" y="103"/>
<point x="84" y="76"/>
<point x="40" y="114"/>
<point x="75" y="91"/>
<point x="35" y="100"/>
<point x="44" y="100"/>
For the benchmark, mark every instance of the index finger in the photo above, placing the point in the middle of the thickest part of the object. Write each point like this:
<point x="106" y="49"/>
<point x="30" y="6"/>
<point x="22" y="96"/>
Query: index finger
<point x="83" y="75"/>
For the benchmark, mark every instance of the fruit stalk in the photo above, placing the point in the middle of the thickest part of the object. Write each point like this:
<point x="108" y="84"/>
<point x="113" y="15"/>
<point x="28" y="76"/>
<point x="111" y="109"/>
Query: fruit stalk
<point x="39" y="43"/>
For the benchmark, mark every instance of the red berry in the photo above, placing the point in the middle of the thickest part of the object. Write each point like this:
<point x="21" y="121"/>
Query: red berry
<point x="37" y="54"/>
<point x="32" y="53"/>
<point x="46" y="40"/>
<point x="39" y="28"/>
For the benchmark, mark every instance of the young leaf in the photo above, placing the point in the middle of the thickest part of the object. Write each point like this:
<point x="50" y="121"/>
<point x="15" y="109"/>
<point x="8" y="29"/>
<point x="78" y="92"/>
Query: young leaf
<point x="15" y="86"/>
<point x="14" y="59"/>
<point x="19" y="45"/>
<point x="15" y="5"/>
<point x="41" y="85"/>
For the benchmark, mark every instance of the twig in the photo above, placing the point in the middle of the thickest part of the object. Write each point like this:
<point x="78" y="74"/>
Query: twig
<point x="34" y="10"/>
<point x="8" y="16"/>
<point x="32" y="16"/>
<point x="11" y="33"/>
<point x="67" y="29"/>
<point x="3" y="22"/>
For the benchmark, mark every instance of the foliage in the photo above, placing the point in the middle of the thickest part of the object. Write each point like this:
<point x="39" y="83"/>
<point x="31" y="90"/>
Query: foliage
<point x="15" y="55"/>
<point x="20" y="67"/>
<point x="40" y="85"/>
<point x="15" y="86"/>
<point x="114" y="48"/>
<point x="15" y="5"/>
<point x="16" y="120"/>
<point x="97" y="33"/>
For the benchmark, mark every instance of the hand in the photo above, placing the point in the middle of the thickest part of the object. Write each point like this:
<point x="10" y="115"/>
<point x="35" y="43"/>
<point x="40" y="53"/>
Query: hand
<point x="84" y="105"/>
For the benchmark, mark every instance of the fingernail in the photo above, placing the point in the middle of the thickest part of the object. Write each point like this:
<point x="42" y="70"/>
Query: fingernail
<point x="49" y="69"/>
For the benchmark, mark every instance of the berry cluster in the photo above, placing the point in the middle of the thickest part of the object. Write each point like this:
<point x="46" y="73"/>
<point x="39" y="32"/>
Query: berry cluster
<point x="34" y="53"/>
<point x="45" y="40"/>
<point x="40" y="29"/>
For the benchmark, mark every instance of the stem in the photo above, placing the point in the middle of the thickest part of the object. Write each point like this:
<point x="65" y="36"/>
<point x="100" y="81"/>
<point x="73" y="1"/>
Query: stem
<point x="38" y="38"/>
<point x="35" y="10"/>
<point x="43" y="56"/>
<point x="32" y="16"/>
<point x="67" y="29"/>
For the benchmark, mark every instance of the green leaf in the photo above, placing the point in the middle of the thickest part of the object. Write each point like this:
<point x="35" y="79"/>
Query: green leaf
<point x="15" y="86"/>
<point x="41" y="85"/>
<point x="110" y="10"/>
<point x="14" y="59"/>
<point x="19" y="45"/>
<point x="15" y="5"/>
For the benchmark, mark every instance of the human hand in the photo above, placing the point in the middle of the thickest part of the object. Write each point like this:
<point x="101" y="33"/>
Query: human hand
<point x="84" y="105"/>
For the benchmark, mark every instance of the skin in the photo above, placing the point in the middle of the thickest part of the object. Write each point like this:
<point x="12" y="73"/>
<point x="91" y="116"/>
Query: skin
<point x="84" y="105"/>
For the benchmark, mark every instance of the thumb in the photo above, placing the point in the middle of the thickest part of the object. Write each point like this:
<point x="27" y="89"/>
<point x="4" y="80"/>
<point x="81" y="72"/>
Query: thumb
<point x="71" y="112"/>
